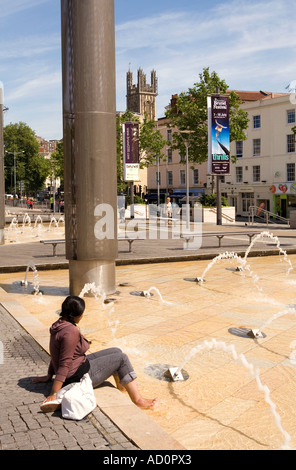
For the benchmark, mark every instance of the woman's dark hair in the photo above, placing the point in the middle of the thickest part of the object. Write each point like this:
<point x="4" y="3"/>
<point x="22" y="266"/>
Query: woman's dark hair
<point x="72" y="307"/>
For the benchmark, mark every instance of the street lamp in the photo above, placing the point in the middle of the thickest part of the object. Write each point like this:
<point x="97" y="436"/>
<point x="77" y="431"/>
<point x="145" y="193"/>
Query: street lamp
<point x="2" y="183"/>
<point x="187" y="179"/>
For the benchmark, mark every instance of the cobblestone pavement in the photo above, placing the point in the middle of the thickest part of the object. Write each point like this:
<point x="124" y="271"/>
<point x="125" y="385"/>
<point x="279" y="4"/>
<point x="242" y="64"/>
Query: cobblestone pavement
<point x="22" y="425"/>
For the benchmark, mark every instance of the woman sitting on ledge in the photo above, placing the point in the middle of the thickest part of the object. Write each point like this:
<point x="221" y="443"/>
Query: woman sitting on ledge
<point x="69" y="362"/>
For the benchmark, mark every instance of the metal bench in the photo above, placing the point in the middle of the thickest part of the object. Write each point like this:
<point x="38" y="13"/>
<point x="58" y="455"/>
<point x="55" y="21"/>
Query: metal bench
<point x="54" y="244"/>
<point x="169" y="220"/>
<point x="130" y="242"/>
<point x="219" y="235"/>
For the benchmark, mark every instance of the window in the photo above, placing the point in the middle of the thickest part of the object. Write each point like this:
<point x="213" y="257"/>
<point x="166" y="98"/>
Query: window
<point x="291" y="116"/>
<point x="170" y="178"/>
<point x="247" y="201"/>
<point x="170" y="156"/>
<point x="290" y="143"/>
<point x="195" y="176"/>
<point x="257" y="122"/>
<point x="256" y="147"/>
<point x="182" y="177"/>
<point x="256" y="174"/>
<point x="239" y="174"/>
<point x="239" y="149"/>
<point x="290" y="171"/>
<point x="182" y="158"/>
<point x="169" y="135"/>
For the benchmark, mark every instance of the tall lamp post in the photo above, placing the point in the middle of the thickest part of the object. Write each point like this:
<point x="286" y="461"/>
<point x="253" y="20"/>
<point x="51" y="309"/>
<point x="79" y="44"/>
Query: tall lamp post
<point x="2" y="184"/>
<point x="187" y="178"/>
<point x="158" y="187"/>
<point x="14" y="165"/>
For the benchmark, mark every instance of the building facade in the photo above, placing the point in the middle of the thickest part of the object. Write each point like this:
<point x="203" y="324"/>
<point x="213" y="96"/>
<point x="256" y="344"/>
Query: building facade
<point x="47" y="147"/>
<point x="264" y="172"/>
<point x="169" y="177"/>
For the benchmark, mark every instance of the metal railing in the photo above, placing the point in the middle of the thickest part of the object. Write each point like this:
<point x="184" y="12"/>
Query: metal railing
<point x="267" y="216"/>
<point x="224" y="216"/>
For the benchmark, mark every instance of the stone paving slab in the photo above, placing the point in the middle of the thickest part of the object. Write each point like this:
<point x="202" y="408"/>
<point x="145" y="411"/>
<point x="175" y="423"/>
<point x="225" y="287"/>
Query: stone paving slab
<point x="172" y="332"/>
<point x="22" y="425"/>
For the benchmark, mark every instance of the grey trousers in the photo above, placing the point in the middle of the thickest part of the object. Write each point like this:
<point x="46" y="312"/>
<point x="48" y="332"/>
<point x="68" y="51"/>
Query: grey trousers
<point x="109" y="362"/>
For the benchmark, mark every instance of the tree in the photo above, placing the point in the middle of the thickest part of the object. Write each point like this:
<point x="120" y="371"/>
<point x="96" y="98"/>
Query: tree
<point x="30" y="167"/>
<point x="191" y="114"/>
<point x="210" y="200"/>
<point x="151" y="143"/>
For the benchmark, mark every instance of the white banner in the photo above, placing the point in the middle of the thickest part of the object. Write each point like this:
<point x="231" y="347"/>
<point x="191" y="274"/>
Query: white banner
<point x="284" y="188"/>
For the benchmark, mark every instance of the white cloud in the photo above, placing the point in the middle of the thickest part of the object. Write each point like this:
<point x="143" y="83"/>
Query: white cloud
<point x="29" y="46"/>
<point x="8" y="8"/>
<point x="39" y="86"/>
<point x="245" y="42"/>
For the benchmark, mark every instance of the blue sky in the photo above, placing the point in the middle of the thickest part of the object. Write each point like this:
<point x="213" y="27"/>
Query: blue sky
<point x="249" y="43"/>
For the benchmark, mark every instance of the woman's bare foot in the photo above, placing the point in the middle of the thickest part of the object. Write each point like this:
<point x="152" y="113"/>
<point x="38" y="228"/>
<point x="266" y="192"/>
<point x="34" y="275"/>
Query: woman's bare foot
<point x="136" y="397"/>
<point x="145" y="403"/>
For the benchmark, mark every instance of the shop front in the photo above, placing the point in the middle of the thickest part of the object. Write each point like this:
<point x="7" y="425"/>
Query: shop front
<point x="284" y="198"/>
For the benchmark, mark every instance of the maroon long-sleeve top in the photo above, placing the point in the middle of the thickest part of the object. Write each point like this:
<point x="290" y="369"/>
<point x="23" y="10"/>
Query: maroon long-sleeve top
<point x="67" y="349"/>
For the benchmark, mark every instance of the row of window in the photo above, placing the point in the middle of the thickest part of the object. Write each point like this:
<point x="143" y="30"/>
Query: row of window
<point x="290" y="119"/>
<point x="256" y="122"/>
<point x="170" y="157"/>
<point x="257" y="146"/>
<point x="182" y="177"/>
<point x="257" y="173"/>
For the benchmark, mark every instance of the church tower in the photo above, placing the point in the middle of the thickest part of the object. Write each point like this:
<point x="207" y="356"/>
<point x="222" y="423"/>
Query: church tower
<point x="141" y="98"/>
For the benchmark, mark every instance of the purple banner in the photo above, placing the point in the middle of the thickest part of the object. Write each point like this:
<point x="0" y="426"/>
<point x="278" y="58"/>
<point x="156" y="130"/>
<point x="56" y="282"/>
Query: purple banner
<point x="219" y="135"/>
<point x="131" y="142"/>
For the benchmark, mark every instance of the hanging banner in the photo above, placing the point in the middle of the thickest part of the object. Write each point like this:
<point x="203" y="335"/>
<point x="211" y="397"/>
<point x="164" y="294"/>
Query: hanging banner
<point x="218" y="135"/>
<point x="131" y="156"/>
<point x="283" y="188"/>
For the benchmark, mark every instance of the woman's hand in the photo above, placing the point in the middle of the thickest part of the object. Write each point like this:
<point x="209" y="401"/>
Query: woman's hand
<point x="50" y="398"/>
<point x="43" y="379"/>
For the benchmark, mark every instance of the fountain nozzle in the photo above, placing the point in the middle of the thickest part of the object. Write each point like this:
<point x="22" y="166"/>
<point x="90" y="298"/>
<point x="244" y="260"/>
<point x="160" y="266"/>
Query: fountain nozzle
<point x="145" y="294"/>
<point x="255" y="334"/>
<point x="199" y="279"/>
<point x="175" y="374"/>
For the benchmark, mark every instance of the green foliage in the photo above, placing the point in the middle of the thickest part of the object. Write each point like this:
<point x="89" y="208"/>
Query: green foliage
<point x="210" y="200"/>
<point x="151" y="143"/>
<point x="192" y="115"/>
<point x="137" y="200"/>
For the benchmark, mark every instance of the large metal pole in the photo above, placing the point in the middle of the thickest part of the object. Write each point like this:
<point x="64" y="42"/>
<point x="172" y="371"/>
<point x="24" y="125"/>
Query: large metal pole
<point x="187" y="190"/>
<point x="219" y="203"/>
<point x="89" y="117"/>
<point x="2" y="181"/>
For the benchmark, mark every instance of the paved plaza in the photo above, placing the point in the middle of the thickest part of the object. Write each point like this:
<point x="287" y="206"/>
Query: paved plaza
<point x="219" y="405"/>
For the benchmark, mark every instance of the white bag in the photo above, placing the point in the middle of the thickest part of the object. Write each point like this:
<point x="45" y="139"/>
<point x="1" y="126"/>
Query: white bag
<point x="77" y="399"/>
